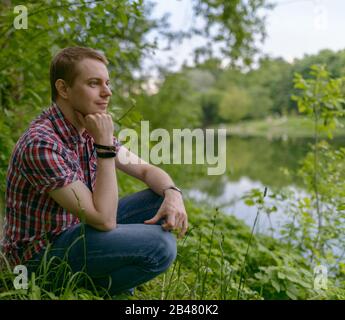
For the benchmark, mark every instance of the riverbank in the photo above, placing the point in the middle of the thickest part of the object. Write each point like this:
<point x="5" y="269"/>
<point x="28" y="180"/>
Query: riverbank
<point x="213" y="262"/>
<point x="284" y="127"/>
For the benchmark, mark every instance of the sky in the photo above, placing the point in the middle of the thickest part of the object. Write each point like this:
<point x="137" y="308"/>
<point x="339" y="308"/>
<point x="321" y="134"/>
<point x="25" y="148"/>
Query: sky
<point x="294" y="28"/>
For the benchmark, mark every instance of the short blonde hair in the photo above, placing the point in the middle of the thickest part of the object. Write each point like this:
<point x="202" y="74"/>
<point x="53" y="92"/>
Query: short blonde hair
<point x="63" y="65"/>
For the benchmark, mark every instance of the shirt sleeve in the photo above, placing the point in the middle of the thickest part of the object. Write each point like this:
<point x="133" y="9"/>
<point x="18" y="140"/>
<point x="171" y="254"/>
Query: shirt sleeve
<point x="46" y="166"/>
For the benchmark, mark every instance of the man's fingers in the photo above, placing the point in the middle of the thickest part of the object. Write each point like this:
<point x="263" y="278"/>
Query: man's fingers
<point x="176" y="222"/>
<point x="154" y="219"/>
<point x="183" y="225"/>
<point x="179" y="222"/>
<point x="184" y="228"/>
<point x="169" y="222"/>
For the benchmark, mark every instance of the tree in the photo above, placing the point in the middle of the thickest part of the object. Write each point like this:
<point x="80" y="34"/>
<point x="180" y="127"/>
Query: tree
<point x="322" y="98"/>
<point x="273" y="78"/>
<point x="235" y="25"/>
<point x="209" y="102"/>
<point x="235" y="104"/>
<point x="174" y="106"/>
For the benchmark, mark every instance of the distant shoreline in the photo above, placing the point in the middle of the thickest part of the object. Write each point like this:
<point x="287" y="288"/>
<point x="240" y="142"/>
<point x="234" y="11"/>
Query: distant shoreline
<point x="284" y="127"/>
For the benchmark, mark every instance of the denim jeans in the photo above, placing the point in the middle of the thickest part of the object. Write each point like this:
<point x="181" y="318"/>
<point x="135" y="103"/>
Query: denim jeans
<point x="125" y="257"/>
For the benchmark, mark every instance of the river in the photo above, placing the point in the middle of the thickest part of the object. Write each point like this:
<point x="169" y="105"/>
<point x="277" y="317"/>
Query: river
<point x="254" y="162"/>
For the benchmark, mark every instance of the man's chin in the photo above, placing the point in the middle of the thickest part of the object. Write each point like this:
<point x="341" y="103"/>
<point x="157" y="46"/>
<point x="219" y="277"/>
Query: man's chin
<point x="102" y="108"/>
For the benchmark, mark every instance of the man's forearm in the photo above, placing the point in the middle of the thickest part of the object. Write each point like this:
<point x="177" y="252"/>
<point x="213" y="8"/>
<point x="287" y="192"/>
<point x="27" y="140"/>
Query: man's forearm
<point x="172" y="209"/>
<point x="105" y="195"/>
<point x="157" y="179"/>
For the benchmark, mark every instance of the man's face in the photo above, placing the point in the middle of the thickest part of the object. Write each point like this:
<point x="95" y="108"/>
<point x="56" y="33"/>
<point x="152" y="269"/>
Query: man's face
<point x="90" y="92"/>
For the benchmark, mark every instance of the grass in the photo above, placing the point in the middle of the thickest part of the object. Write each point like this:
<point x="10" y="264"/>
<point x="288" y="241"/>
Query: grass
<point x="292" y="127"/>
<point x="212" y="263"/>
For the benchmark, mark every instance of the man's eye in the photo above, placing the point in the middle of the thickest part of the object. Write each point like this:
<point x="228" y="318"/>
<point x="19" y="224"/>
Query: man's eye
<point x="93" y="84"/>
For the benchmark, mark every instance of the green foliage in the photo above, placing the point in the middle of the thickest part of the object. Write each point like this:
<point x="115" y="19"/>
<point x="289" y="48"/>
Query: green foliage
<point x="235" y="104"/>
<point x="53" y="280"/>
<point x="258" y="93"/>
<point x="209" y="102"/>
<point x="237" y="23"/>
<point x="314" y="223"/>
<point x="335" y="62"/>
<point x="285" y="282"/>
<point x="272" y="270"/>
<point x="326" y="227"/>
<point x="175" y="102"/>
<point x="322" y="97"/>
<point x="316" y="219"/>
<point x="6" y="145"/>
<point x="274" y="76"/>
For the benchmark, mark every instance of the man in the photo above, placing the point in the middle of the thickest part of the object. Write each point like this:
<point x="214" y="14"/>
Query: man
<point x="63" y="170"/>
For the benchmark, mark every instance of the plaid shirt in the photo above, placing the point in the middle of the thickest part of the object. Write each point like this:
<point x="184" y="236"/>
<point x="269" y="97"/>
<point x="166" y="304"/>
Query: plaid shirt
<point x="51" y="154"/>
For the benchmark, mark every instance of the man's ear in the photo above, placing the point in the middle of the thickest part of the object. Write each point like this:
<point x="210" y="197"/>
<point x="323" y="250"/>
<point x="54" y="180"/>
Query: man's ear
<point x="61" y="88"/>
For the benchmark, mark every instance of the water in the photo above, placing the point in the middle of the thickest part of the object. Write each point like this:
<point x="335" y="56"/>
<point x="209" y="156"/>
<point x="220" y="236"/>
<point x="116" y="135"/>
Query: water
<point x="231" y="202"/>
<point x="251" y="163"/>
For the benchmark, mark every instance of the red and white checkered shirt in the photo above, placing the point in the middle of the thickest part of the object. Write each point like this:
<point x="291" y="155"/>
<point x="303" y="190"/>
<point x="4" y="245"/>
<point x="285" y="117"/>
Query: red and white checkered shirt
<point x="51" y="154"/>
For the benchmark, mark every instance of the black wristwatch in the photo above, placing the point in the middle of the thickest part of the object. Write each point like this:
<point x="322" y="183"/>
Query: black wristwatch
<point x="172" y="187"/>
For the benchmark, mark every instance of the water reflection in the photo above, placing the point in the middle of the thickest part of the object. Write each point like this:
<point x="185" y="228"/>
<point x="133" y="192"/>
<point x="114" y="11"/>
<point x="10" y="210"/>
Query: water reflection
<point x="251" y="163"/>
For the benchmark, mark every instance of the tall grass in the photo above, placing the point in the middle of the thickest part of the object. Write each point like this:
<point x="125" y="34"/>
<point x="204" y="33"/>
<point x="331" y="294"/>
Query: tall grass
<point x="217" y="259"/>
<point x="247" y="251"/>
<point x="53" y="279"/>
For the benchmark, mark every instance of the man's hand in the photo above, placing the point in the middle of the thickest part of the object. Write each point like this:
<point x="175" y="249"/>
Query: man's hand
<point x="174" y="212"/>
<point x="99" y="125"/>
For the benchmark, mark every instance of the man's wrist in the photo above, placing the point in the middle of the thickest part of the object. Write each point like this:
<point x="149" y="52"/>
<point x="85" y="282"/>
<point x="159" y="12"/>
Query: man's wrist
<point x="171" y="190"/>
<point x="105" y="151"/>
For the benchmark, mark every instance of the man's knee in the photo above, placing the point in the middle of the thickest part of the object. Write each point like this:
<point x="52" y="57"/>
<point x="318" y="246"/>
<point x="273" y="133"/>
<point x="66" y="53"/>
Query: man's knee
<point x="165" y="252"/>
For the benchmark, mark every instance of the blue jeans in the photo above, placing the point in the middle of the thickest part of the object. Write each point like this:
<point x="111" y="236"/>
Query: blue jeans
<point x="125" y="257"/>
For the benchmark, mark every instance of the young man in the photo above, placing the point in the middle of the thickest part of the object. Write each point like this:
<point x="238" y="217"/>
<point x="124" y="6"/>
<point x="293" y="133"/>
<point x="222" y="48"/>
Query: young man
<point x="66" y="161"/>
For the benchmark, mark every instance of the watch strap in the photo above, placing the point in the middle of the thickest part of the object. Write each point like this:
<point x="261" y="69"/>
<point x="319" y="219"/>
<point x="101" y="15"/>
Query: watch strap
<point x="99" y="146"/>
<point x="105" y="155"/>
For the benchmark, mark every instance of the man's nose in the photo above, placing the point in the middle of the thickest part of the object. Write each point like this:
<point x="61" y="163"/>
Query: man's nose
<point x="106" y="91"/>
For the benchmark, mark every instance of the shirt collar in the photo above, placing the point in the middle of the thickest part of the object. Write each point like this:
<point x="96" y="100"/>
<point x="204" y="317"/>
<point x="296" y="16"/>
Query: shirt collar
<point x="64" y="127"/>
